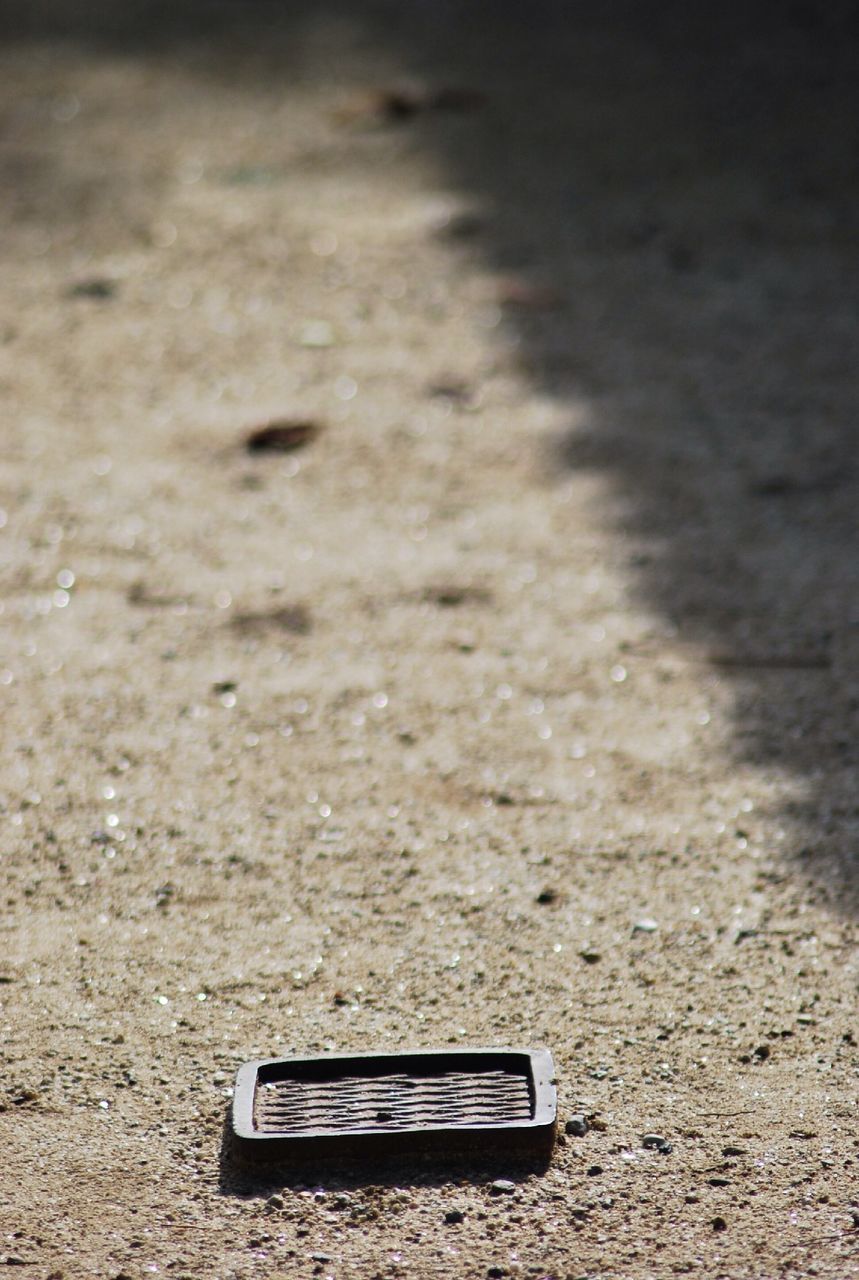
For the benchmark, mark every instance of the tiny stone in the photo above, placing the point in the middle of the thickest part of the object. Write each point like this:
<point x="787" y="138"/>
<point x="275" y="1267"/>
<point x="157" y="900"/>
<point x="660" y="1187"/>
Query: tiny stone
<point x="665" y="1148"/>
<point x="719" y="1224"/>
<point x="502" y="1187"/>
<point x="320" y="1257"/>
<point x="650" y="1141"/>
<point x="645" y="926"/>
<point x="274" y="1202"/>
<point x="454" y="1215"/>
<point x="577" y="1126"/>
<point x="595" y="1170"/>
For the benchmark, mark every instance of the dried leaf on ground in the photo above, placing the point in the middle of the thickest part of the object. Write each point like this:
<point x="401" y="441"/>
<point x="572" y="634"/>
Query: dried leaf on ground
<point x="292" y="618"/>
<point x="281" y="436"/>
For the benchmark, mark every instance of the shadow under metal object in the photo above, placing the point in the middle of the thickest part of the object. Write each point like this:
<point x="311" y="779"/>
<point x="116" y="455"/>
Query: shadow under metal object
<point x="423" y="1102"/>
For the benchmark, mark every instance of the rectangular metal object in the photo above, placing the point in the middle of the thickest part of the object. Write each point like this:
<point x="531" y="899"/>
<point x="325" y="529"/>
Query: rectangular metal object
<point x="398" y="1104"/>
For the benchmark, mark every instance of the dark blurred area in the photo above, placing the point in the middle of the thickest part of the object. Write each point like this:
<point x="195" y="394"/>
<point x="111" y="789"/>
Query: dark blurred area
<point x="686" y="177"/>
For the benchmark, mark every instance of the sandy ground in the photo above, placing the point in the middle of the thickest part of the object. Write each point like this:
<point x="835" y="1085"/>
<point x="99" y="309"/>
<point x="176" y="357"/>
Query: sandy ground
<point x="549" y="634"/>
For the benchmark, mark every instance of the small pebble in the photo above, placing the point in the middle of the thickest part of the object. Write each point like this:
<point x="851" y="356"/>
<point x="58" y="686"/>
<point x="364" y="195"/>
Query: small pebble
<point x="502" y="1187"/>
<point x="719" y="1224"/>
<point x="645" y="926"/>
<point x="652" y="1141"/>
<point x="274" y="1203"/>
<point x="320" y="1257"/>
<point x="577" y="1126"/>
<point x="454" y="1216"/>
<point x="595" y="1170"/>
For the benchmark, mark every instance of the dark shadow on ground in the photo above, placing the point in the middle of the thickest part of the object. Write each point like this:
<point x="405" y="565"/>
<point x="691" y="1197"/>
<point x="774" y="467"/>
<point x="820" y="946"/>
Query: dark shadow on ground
<point x="686" y="177"/>
<point x="333" y="1175"/>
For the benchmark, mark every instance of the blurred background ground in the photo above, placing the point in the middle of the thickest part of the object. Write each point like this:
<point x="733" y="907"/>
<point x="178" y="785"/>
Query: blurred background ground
<point x="518" y="706"/>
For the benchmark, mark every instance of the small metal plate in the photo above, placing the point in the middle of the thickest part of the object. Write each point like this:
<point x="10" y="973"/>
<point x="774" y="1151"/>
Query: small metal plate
<point x="477" y="1100"/>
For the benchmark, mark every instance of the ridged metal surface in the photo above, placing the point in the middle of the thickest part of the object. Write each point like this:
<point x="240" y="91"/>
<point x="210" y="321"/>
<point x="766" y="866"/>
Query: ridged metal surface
<point x="450" y="1099"/>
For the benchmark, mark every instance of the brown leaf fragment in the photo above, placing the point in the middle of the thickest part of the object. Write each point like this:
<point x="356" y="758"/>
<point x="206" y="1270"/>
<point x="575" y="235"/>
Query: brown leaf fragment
<point x="451" y="594"/>
<point x="96" y="288"/>
<point x="293" y="618"/>
<point x="281" y="436"/>
<point x="452" y="388"/>
<point x="139" y="594"/>
<point x="397" y="103"/>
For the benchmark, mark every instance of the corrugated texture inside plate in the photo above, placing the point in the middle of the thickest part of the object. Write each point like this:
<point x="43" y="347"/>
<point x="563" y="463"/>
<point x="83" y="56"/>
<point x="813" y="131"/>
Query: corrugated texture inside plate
<point x="392" y="1101"/>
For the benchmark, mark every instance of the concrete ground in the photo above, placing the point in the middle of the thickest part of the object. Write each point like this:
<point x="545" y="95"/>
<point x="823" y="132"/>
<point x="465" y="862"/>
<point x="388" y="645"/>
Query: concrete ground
<point x="516" y="706"/>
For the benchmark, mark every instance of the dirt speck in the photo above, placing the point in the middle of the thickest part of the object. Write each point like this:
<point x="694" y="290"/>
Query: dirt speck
<point x="281" y="436"/>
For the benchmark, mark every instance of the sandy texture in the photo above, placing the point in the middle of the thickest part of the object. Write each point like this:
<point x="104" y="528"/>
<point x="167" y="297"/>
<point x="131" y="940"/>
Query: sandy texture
<point x="517" y="707"/>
